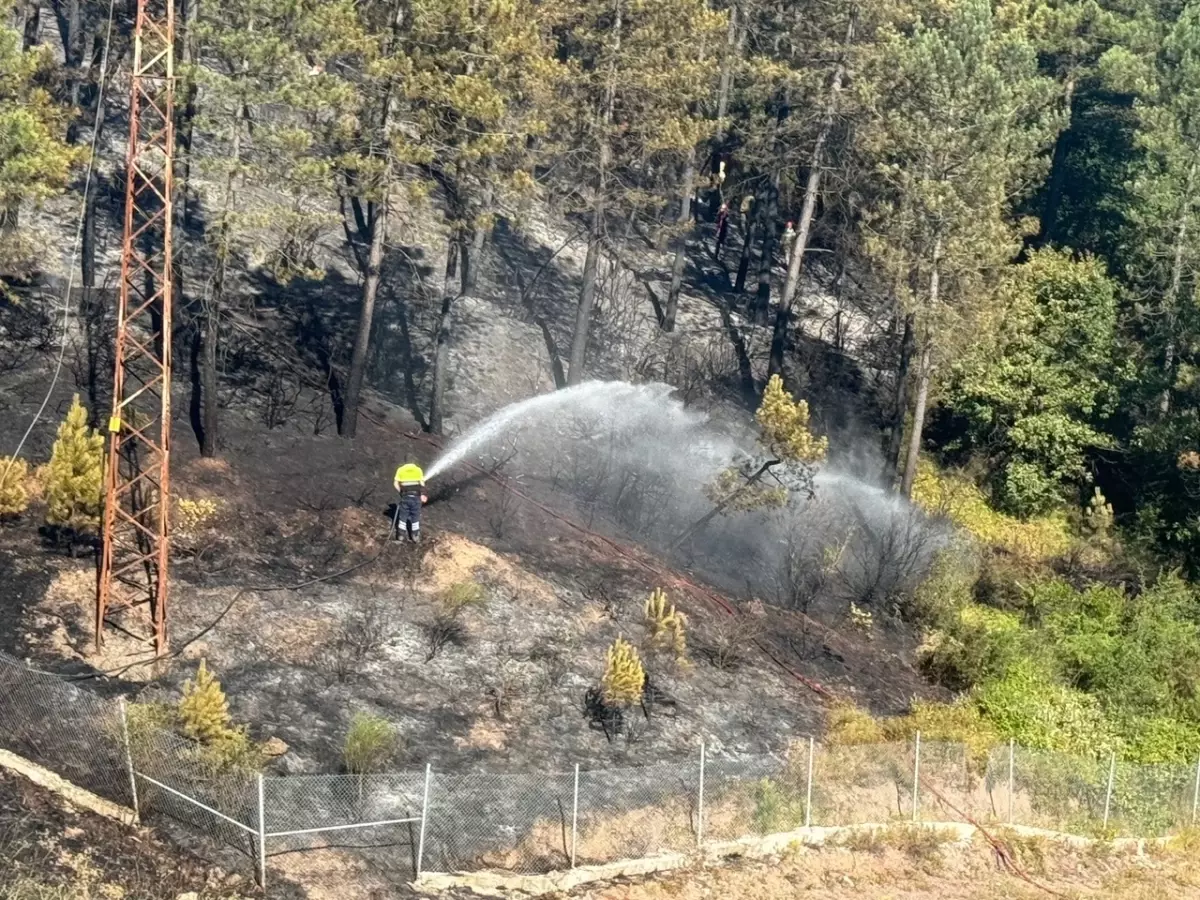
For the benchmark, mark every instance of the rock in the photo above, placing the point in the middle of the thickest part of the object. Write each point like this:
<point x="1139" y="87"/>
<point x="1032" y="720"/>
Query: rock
<point x="190" y="895"/>
<point x="274" y="747"/>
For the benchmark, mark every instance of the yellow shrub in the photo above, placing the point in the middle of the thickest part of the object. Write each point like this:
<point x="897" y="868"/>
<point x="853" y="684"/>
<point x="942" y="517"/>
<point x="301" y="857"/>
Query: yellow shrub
<point x="14" y="495"/>
<point x="849" y="724"/>
<point x="959" y="722"/>
<point x="460" y="596"/>
<point x="195" y="515"/>
<point x="962" y="502"/>
<point x="665" y="625"/>
<point x="624" y="677"/>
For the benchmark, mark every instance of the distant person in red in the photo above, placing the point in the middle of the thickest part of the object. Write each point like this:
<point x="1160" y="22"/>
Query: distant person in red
<point x="722" y="228"/>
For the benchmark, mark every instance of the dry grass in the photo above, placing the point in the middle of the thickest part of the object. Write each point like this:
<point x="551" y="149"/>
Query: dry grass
<point x="454" y="560"/>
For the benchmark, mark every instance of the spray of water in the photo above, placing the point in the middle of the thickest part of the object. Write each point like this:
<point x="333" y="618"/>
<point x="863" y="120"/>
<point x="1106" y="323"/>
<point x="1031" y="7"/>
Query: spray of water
<point x="633" y="459"/>
<point x="558" y="411"/>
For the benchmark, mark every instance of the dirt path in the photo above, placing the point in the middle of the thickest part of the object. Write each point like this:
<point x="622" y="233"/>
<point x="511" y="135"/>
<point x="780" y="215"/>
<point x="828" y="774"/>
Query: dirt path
<point x="899" y="867"/>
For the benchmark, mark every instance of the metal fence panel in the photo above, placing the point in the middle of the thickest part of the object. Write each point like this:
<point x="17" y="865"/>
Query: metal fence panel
<point x="630" y="813"/>
<point x="70" y="731"/>
<point x="862" y="784"/>
<point x="516" y="822"/>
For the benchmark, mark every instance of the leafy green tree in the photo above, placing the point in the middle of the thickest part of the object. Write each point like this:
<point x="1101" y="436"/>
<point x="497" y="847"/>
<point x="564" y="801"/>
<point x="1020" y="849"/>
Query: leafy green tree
<point x="1035" y="392"/>
<point x="483" y="86"/>
<point x="35" y="160"/>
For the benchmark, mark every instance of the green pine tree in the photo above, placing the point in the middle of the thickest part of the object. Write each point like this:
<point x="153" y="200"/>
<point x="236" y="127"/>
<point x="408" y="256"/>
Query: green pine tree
<point x="204" y="710"/>
<point x="35" y="160"/>
<point x="959" y="119"/>
<point x="74" y="477"/>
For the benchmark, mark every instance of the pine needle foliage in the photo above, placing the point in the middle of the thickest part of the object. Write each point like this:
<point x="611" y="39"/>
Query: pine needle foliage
<point x="790" y="453"/>
<point x="666" y="626"/>
<point x="14" y="496"/>
<point x="204" y="710"/>
<point x="624" y="677"/>
<point x="203" y="716"/>
<point x="74" y="477"/>
<point x="785" y="426"/>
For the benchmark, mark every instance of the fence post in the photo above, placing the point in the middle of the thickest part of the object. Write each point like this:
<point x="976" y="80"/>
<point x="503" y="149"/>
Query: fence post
<point x="1196" y="792"/>
<point x="700" y="803"/>
<point x="808" y="789"/>
<point x="137" y="812"/>
<point x="262" y="836"/>
<point x="1011" y="766"/>
<point x="575" y="817"/>
<point x="424" y="818"/>
<point x="1112" y="771"/>
<point x="916" y="777"/>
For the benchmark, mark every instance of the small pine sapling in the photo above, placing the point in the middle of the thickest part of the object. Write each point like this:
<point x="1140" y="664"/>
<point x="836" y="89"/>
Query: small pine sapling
<point x="75" y="474"/>
<point x="624" y="677"/>
<point x="666" y="627"/>
<point x="203" y="716"/>
<point x="14" y="495"/>
<point x="204" y="709"/>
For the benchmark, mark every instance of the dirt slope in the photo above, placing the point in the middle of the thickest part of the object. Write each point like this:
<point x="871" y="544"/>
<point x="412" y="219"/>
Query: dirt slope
<point x="902" y="868"/>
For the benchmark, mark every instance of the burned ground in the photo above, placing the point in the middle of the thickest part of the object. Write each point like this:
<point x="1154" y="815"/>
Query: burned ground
<point x="508" y="694"/>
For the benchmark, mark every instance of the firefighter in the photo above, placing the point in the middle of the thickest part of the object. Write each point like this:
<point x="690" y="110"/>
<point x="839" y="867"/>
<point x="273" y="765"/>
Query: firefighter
<point x="410" y="483"/>
<point x="722" y="228"/>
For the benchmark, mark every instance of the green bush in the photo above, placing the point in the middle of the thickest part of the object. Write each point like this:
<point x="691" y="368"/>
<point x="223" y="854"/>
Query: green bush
<point x="1031" y="706"/>
<point x="371" y="744"/>
<point x="776" y="808"/>
<point x="977" y="645"/>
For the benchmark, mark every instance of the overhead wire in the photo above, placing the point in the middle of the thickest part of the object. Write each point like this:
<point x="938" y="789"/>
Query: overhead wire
<point x="83" y="206"/>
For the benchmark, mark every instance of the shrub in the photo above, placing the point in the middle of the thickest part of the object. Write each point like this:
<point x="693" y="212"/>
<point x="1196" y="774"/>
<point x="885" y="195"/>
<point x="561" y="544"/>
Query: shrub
<point x="74" y="477"/>
<point x="1031" y="707"/>
<point x="960" y="722"/>
<point x="624" y="677"/>
<point x="849" y="725"/>
<point x="862" y="620"/>
<point x="775" y="808"/>
<point x="461" y="596"/>
<point x="14" y="495"/>
<point x="978" y="643"/>
<point x="196" y="515"/>
<point x="359" y="638"/>
<point x="957" y="498"/>
<point x="371" y="744"/>
<point x="666" y="626"/>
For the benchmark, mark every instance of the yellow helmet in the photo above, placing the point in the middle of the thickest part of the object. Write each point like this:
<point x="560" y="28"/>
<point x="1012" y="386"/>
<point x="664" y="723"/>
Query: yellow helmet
<point x="410" y="473"/>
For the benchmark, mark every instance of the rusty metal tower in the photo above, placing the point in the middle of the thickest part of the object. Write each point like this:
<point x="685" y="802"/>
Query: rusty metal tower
<point x="133" y="568"/>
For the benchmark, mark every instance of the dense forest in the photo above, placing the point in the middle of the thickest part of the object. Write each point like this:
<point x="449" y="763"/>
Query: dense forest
<point x="1009" y="187"/>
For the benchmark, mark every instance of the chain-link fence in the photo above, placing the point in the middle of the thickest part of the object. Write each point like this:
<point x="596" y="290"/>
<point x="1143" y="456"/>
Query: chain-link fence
<point x="371" y="834"/>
